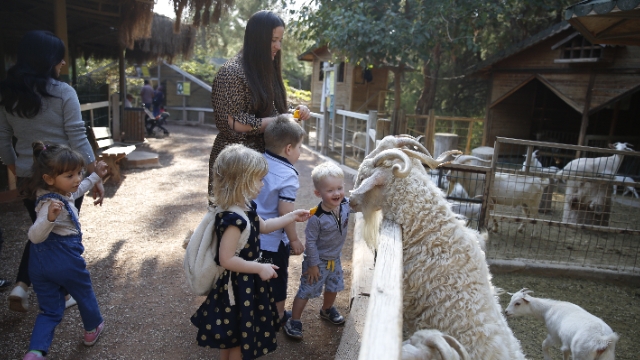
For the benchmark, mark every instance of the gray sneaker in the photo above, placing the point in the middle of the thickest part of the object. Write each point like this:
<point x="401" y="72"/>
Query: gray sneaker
<point x="332" y="315"/>
<point x="293" y="329"/>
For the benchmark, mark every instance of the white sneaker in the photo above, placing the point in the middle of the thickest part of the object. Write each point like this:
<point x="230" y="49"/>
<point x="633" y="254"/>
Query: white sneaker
<point x="19" y="299"/>
<point x="69" y="303"/>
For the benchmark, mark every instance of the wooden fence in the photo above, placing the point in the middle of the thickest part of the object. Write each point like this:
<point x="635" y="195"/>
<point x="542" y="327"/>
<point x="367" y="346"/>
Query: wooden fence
<point x="429" y="125"/>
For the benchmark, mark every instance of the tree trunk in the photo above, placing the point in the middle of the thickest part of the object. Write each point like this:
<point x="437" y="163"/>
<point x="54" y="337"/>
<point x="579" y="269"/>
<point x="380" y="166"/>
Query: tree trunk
<point x="428" y="95"/>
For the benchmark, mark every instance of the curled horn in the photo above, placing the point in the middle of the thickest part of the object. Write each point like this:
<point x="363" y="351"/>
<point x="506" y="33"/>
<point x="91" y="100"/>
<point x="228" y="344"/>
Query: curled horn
<point x="395" y="142"/>
<point x="466" y="158"/>
<point x="455" y="345"/>
<point x="428" y="160"/>
<point x="526" y="291"/>
<point x="399" y="170"/>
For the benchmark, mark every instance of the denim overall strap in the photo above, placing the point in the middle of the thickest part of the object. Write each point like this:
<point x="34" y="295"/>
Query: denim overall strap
<point x="66" y="205"/>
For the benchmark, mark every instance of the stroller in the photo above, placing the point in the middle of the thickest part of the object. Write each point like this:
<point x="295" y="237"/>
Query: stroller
<point x="152" y="122"/>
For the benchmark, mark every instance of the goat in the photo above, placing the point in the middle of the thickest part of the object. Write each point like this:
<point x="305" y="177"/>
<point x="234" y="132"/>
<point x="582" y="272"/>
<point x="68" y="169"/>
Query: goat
<point x="359" y="142"/>
<point x="535" y="165"/>
<point x="506" y="189"/>
<point x="446" y="278"/>
<point x="586" y="202"/>
<point x="576" y="331"/>
<point x="591" y="166"/>
<point x="433" y="345"/>
<point x="627" y="189"/>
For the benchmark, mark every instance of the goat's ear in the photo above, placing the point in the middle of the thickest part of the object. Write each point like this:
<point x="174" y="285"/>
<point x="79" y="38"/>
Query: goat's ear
<point x="525" y="299"/>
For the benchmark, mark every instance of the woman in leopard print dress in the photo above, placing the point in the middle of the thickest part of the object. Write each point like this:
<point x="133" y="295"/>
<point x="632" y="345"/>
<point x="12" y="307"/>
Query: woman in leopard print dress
<point x="248" y="91"/>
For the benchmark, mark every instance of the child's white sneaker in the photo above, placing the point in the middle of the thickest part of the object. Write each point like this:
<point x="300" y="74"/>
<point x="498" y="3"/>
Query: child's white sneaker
<point x="19" y="299"/>
<point x="70" y="302"/>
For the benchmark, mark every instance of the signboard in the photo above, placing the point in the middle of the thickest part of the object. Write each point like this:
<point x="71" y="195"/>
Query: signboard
<point x="183" y="88"/>
<point x="145" y="72"/>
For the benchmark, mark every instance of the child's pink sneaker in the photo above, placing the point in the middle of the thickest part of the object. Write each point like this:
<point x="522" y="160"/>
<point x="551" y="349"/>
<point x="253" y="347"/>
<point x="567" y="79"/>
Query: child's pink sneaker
<point x="90" y="337"/>
<point x="32" y="356"/>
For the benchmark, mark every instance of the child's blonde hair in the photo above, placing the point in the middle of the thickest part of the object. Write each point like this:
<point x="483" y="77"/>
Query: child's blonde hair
<point x="282" y="132"/>
<point x="235" y="174"/>
<point x="324" y="171"/>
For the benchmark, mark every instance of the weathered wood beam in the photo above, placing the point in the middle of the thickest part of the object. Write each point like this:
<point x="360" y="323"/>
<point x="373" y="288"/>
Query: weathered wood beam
<point x="60" y="25"/>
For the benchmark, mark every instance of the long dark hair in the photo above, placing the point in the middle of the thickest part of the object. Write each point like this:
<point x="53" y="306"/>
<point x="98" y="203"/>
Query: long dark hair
<point x="263" y="74"/>
<point x="53" y="160"/>
<point x="38" y="54"/>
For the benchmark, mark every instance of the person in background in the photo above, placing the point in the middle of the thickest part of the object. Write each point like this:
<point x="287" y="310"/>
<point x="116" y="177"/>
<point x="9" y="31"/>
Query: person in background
<point x="158" y="100"/>
<point x="146" y="94"/>
<point x="34" y="105"/>
<point x="56" y="264"/>
<point x="325" y="235"/>
<point x="283" y="139"/>
<point x="248" y="91"/>
<point x="128" y="101"/>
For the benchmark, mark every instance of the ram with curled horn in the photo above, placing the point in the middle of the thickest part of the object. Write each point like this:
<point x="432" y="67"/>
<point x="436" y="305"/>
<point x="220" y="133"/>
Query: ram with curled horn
<point x="446" y="280"/>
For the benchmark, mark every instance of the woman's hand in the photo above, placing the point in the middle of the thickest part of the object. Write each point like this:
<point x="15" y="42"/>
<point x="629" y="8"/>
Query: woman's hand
<point x="268" y="271"/>
<point x="305" y="113"/>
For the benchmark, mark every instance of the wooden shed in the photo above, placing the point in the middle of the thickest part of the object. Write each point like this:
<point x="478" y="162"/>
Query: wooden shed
<point x="193" y="105"/>
<point x="557" y="86"/>
<point x="356" y="89"/>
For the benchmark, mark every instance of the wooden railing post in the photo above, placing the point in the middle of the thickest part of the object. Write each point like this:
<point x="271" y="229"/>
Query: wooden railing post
<point x="431" y="130"/>
<point x="114" y="104"/>
<point x="467" y="149"/>
<point x="371" y="125"/>
<point x="344" y="141"/>
<point x="324" y="125"/>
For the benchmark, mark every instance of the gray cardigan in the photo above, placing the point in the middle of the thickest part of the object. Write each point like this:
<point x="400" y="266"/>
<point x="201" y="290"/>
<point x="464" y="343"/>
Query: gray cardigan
<point x="58" y="122"/>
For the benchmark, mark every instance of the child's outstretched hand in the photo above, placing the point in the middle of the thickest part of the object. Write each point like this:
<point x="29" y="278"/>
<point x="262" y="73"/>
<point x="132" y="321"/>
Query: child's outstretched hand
<point x="55" y="208"/>
<point x="268" y="271"/>
<point x="101" y="168"/>
<point x="300" y="215"/>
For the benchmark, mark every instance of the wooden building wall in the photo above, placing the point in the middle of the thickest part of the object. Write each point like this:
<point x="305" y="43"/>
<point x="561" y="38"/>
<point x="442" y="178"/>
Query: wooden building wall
<point x="353" y="91"/>
<point x="533" y="72"/>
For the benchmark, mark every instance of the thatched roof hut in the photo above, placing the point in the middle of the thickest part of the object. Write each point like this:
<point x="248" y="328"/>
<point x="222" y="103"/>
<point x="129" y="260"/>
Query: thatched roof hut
<point x="99" y="29"/>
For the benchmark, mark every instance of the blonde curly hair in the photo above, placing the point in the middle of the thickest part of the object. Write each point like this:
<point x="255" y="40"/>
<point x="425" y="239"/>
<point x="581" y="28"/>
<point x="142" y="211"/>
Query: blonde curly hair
<point x="236" y="175"/>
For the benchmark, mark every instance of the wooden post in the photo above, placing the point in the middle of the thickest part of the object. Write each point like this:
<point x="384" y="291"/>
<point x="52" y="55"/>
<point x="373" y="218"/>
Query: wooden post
<point x="484" y="213"/>
<point x="114" y="104"/>
<point x="60" y="26"/>
<point x="487" y="118"/>
<point x="467" y="149"/>
<point x="431" y="130"/>
<point x="123" y="89"/>
<point x="585" y="112"/>
<point x="371" y="124"/>
<point x="324" y="125"/>
<point x="344" y="141"/>
<point x="184" y="102"/>
<point x="614" y="120"/>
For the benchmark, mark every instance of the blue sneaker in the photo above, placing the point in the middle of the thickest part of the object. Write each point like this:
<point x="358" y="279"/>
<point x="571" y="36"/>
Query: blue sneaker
<point x="285" y="317"/>
<point x="293" y="329"/>
<point x="332" y="315"/>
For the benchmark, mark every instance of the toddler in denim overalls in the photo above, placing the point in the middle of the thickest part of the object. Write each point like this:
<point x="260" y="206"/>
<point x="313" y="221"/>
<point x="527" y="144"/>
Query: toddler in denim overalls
<point x="55" y="260"/>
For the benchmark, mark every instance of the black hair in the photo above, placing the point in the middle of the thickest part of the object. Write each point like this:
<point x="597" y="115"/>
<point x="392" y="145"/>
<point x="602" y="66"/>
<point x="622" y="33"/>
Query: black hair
<point x="38" y="54"/>
<point x="53" y="160"/>
<point x="263" y="74"/>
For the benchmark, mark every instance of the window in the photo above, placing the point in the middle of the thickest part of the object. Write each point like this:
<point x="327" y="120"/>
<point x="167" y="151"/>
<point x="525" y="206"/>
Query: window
<point x="341" y="72"/>
<point x="321" y="72"/>
<point x="577" y="49"/>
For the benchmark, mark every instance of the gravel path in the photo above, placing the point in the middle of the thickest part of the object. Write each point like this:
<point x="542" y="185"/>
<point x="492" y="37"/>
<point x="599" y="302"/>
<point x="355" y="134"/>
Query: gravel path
<point x="133" y="250"/>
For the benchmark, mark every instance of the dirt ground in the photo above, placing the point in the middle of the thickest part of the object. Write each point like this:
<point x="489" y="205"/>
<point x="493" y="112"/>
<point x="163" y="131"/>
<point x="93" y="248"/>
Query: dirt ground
<point x="134" y="253"/>
<point x="133" y="250"/>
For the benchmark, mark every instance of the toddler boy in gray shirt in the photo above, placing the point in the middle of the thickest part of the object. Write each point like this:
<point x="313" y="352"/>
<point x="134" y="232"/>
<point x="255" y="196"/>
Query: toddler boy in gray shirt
<point x="325" y="235"/>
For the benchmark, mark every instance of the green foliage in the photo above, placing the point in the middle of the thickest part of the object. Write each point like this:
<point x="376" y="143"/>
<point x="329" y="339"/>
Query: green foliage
<point x="407" y="31"/>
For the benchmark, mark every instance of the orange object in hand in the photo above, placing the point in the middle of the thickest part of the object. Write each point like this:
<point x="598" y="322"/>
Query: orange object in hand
<point x="313" y="210"/>
<point x="296" y="115"/>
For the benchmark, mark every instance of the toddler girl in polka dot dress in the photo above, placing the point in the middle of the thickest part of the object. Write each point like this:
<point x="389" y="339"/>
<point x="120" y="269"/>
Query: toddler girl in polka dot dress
<point x="239" y="315"/>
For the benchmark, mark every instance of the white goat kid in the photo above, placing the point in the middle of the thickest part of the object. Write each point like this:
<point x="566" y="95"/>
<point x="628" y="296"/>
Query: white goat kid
<point x="507" y="189"/>
<point x="433" y="345"/>
<point x="570" y="327"/>
<point x="359" y="142"/>
<point x="591" y="166"/>
<point x="446" y="279"/>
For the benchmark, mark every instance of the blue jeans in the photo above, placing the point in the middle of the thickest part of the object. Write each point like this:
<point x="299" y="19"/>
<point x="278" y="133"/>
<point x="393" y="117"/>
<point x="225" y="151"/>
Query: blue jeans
<point x="56" y="264"/>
